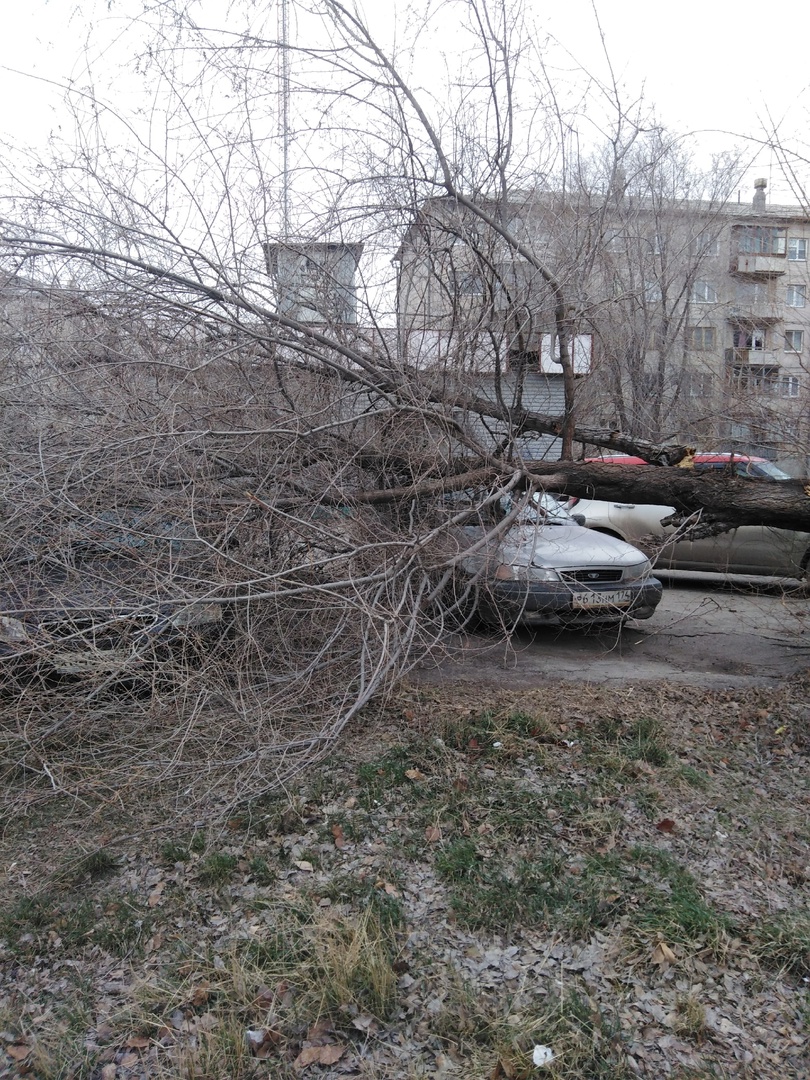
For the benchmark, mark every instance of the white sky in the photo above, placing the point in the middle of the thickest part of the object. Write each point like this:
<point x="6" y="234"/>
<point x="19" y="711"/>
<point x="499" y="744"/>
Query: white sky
<point x="719" y="67"/>
<point x="712" y="66"/>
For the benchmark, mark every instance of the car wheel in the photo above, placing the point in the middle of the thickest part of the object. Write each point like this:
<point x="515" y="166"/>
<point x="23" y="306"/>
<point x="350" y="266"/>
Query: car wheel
<point x="609" y="532"/>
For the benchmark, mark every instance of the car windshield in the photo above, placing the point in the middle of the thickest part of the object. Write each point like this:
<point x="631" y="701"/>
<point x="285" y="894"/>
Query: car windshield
<point x="765" y="469"/>
<point x="543" y="509"/>
<point x="744" y="467"/>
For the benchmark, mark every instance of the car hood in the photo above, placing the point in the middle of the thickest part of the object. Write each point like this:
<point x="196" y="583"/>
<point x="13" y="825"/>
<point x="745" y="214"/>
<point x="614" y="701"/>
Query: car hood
<point x="565" y="546"/>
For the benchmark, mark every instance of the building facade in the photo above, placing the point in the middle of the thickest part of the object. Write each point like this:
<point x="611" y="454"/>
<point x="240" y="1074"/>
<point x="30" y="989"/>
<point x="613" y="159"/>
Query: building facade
<point x="688" y="319"/>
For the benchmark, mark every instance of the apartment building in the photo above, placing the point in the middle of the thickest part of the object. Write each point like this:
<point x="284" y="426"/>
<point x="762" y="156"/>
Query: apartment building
<point x="688" y="319"/>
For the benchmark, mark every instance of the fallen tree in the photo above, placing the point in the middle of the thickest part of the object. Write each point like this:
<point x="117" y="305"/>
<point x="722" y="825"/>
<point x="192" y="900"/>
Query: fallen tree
<point x="160" y="390"/>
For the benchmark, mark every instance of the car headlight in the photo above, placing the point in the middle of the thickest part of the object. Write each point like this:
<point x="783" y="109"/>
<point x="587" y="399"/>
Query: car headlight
<point x="513" y="572"/>
<point x="637" y="571"/>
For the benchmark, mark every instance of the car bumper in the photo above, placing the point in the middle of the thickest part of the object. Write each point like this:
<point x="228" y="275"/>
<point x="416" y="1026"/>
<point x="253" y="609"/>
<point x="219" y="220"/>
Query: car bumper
<point x="542" y="602"/>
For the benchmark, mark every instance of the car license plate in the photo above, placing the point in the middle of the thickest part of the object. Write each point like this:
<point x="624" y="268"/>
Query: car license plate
<point x="611" y="598"/>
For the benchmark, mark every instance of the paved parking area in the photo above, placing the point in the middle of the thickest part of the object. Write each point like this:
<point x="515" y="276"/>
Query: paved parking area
<point x="712" y="634"/>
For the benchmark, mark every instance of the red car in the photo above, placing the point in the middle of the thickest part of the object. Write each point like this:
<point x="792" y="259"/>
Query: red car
<point x="742" y="464"/>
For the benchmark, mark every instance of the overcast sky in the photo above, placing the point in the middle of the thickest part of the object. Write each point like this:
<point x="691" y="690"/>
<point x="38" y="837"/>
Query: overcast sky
<point x="711" y="66"/>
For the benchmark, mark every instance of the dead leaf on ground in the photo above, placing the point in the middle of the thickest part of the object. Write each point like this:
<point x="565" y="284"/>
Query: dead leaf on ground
<point x="662" y="954"/>
<point x="387" y="887"/>
<point x="302" y="864"/>
<point x="319" y="1055"/>
<point x="263" y="1041"/>
<point x="366" y="1023"/>
<point x="18" y="1051"/>
<point x="340" y="839"/>
<point x="321" y="1027"/>
<point x="264" y="997"/>
<point x="137" y="1042"/>
<point x="666" y="825"/>
<point x="207" y="1022"/>
<point x="433" y="834"/>
<point x="414" y="774"/>
<point x="156" y="893"/>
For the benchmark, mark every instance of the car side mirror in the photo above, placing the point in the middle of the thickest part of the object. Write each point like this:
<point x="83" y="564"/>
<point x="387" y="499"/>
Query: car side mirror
<point x="580" y="519"/>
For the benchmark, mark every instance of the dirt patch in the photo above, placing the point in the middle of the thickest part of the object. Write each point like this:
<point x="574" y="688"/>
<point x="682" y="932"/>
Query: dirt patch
<point x="619" y="875"/>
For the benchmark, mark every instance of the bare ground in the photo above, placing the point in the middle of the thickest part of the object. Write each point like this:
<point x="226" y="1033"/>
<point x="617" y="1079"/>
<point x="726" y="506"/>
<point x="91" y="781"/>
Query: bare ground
<point x="618" y="873"/>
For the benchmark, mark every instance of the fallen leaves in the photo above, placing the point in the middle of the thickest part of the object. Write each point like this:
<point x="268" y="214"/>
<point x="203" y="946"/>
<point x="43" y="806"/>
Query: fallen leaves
<point x="137" y="1042"/>
<point x="387" y="887"/>
<point x="200" y="995"/>
<point x="662" y="954"/>
<point x="262" y="1042"/>
<point x="156" y="894"/>
<point x="329" y="1054"/>
<point x="665" y="825"/>
<point x="18" y="1051"/>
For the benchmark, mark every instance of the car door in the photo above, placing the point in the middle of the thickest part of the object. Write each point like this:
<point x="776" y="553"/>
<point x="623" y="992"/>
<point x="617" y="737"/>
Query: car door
<point x="640" y="522"/>
<point x="751" y="549"/>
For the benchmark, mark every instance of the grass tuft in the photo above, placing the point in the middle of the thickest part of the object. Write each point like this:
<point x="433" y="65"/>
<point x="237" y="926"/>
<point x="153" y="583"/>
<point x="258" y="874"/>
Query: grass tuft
<point x="217" y="868"/>
<point x="784" y="941"/>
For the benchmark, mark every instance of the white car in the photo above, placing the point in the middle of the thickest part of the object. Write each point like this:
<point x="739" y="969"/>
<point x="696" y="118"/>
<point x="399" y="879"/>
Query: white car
<point x="750" y="549"/>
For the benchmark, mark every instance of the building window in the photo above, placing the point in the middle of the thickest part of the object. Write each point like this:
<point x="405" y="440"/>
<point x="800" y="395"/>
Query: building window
<point x="794" y="340"/>
<point x="752" y="293"/>
<point x="615" y="241"/>
<point x="704" y="246"/>
<point x="790" y="386"/>
<point x="751" y="337"/>
<point x="699" y="384"/>
<point x="700" y="338"/>
<point x="469" y="283"/>
<point x="755" y="378"/>
<point x="652" y="292"/>
<point x="797" y="249"/>
<point x="703" y="292"/>
<point x="796" y="295"/>
<point x="760" y="240"/>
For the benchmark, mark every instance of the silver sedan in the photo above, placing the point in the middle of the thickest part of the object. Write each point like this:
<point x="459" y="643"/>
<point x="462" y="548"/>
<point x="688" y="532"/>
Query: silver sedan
<point x="547" y="568"/>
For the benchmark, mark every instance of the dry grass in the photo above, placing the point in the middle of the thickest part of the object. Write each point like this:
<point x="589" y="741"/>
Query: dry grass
<point x="358" y="910"/>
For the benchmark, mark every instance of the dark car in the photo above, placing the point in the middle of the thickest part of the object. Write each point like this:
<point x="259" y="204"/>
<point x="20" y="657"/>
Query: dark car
<point x="100" y="601"/>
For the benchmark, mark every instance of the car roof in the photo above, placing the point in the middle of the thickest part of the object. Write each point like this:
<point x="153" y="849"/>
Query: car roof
<point x="726" y="457"/>
<point x="700" y="459"/>
<point x="619" y="459"/>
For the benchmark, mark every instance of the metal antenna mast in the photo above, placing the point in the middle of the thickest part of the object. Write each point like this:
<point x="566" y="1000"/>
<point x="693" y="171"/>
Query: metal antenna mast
<point x="285" y="119"/>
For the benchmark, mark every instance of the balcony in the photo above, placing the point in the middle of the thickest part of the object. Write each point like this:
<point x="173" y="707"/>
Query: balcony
<point x="754" y="312"/>
<point x="761" y="265"/>
<point x="757" y="357"/>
